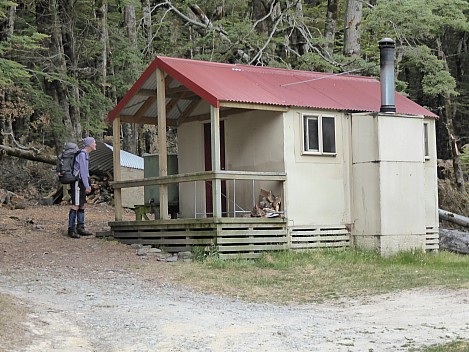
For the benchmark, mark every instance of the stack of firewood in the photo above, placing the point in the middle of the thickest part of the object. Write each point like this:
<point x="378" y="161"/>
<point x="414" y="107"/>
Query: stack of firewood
<point x="101" y="190"/>
<point x="268" y="205"/>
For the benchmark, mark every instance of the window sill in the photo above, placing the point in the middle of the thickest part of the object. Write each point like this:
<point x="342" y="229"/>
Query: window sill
<point x="318" y="154"/>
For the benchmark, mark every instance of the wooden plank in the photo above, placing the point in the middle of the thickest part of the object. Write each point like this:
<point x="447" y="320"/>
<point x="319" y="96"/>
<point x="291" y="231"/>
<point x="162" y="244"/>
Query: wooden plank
<point x="313" y="237"/>
<point x="317" y="227"/>
<point x="257" y="240"/>
<point x="162" y="142"/>
<point x="320" y="245"/>
<point x="320" y="238"/>
<point x="252" y="233"/>
<point x="118" y="210"/>
<point x="320" y="231"/>
<point x="251" y="247"/>
<point x="250" y="106"/>
<point x="175" y="242"/>
<point x="160" y="234"/>
<point x="216" y="162"/>
<point x="201" y="176"/>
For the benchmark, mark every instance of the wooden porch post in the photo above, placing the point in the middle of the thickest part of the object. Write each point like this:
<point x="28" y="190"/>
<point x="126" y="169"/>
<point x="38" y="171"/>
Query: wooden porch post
<point x="216" y="166"/>
<point x="116" y="151"/>
<point x="162" y="144"/>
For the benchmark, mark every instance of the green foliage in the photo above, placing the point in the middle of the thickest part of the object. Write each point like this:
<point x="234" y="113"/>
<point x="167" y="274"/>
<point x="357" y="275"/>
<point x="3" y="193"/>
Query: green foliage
<point x="436" y="78"/>
<point x="14" y="72"/>
<point x="232" y="36"/>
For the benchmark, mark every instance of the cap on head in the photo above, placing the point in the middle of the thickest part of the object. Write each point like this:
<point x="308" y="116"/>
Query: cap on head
<point x="88" y="141"/>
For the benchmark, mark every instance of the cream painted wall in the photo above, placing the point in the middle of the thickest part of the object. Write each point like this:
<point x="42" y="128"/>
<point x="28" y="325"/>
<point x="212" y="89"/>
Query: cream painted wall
<point x="388" y="167"/>
<point x="402" y="198"/>
<point x="253" y="142"/>
<point x="431" y="179"/>
<point x="318" y="186"/>
<point x="366" y="201"/>
<point x="191" y="159"/>
<point x="391" y="187"/>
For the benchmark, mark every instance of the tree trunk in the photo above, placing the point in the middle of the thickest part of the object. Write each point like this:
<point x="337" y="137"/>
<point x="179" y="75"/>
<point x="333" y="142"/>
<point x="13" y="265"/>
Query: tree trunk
<point x="331" y="25"/>
<point x="450" y="112"/>
<point x="69" y="44"/>
<point x="130" y="133"/>
<point x="7" y="24"/>
<point x="29" y="155"/>
<point x="454" y="218"/>
<point x="295" y="40"/>
<point x="353" y="18"/>
<point x="259" y="10"/>
<point x="454" y="241"/>
<point x="102" y="59"/>
<point x="49" y="22"/>
<point x="147" y="30"/>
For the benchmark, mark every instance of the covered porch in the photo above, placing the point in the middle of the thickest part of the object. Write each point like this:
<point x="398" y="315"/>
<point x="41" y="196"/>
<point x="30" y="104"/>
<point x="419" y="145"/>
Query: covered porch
<point x="222" y="218"/>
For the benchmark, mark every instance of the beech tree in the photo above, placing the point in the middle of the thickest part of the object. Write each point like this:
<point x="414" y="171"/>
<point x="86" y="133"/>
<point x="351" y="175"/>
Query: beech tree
<point x="65" y="64"/>
<point x="352" y="32"/>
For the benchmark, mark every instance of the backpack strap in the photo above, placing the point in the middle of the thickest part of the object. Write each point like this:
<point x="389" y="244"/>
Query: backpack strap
<point x="75" y="159"/>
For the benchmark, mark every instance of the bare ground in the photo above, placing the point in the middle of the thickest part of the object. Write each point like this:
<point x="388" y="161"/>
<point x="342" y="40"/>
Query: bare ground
<point x="62" y="294"/>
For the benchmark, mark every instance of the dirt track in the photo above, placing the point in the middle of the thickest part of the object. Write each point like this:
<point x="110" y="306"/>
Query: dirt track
<point x="88" y="295"/>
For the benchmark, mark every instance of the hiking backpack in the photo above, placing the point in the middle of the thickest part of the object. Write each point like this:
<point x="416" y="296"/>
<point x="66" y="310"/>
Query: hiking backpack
<point x="65" y="163"/>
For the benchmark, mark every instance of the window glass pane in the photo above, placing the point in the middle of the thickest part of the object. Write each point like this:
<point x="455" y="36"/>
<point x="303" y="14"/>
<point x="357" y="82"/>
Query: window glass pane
<point x="312" y="131"/>
<point x="328" y="134"/>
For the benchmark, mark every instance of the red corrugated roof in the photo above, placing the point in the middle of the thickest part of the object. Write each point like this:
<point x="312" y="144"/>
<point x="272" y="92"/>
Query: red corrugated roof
<point x="217" y="82"/>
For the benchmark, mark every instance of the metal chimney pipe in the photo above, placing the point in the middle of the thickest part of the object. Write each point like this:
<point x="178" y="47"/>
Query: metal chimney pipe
<point x="386" y="57"/>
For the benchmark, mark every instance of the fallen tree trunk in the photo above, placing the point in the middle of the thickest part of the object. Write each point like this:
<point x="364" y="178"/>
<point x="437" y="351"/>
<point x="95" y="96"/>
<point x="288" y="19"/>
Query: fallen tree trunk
<point x="29" y="155"/>
<point x="454" y="241"/>
<point x="454" y="218"/>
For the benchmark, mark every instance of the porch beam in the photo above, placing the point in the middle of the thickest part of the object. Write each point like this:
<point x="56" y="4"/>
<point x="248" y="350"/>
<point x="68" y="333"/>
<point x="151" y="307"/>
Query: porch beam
<point x="202" y="176"/>
<point x="222" y="113"/>
<point x="143" y="109"/>
<point x="216" y="165"/>
<point x="116" y="142"/>
<point x="249" y="106"/>
<point x="162" y="143"/>
<point x="185" y="115"/>
<point x="146" y="120"/>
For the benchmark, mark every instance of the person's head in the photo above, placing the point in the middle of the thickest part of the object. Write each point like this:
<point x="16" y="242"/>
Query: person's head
<point x="89" y="144"/>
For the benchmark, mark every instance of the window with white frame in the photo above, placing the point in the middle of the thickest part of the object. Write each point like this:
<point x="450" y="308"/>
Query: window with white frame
<point x="319" y="134"/>
<point x="425" y="141"/>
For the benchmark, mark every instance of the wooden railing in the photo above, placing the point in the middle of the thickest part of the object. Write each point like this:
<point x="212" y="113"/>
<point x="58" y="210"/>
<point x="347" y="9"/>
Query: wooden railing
<point x="194" y="177"/>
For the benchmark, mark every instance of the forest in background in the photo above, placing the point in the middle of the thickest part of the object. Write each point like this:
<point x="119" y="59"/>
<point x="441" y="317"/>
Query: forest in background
<point x="65" y="64"/>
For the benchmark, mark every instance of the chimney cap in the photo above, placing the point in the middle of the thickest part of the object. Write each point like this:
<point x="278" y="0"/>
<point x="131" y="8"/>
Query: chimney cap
<point x="386" y="42"/>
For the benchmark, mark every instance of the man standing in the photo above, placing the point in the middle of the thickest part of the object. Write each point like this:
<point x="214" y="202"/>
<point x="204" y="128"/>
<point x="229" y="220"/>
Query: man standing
<point x="80" y="188"/>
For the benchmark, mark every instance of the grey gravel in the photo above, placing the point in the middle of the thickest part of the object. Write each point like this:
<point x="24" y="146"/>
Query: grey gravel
<point x="115" y="311"/>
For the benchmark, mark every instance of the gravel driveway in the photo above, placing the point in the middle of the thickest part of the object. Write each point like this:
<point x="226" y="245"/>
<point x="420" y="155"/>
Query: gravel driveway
<point x="83" y="296"/>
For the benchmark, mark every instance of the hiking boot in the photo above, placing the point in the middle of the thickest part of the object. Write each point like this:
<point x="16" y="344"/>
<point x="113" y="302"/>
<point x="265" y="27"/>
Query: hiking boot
<point x="73" y="233"/>
<point x="82" y="231"/>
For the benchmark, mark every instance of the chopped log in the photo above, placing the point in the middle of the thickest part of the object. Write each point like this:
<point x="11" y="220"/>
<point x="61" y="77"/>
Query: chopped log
<point x="267" y="206"/>
<point x="454" y="218"/>
<point x="454" y="241"/>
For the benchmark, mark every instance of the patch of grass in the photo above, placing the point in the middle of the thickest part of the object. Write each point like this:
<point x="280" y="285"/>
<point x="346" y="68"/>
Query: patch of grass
<point x="456" y="346"/>
<point x="317" y="275"/>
